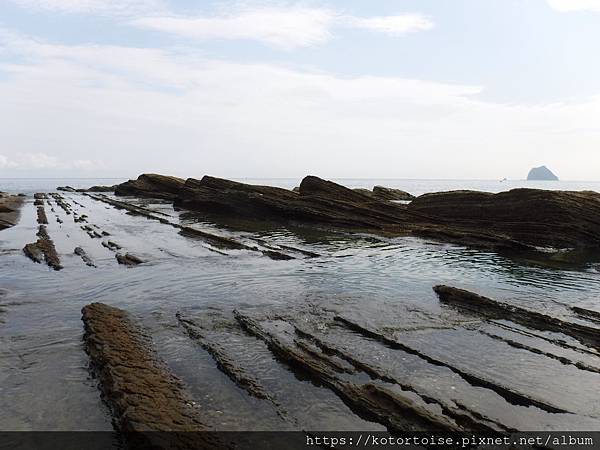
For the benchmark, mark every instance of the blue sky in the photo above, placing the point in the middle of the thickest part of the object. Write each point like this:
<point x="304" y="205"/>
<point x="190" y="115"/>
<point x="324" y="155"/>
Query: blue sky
<point x="402" y="89"/>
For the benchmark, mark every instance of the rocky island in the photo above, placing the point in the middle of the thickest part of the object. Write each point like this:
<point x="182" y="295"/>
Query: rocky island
<point x="541" y="173"/>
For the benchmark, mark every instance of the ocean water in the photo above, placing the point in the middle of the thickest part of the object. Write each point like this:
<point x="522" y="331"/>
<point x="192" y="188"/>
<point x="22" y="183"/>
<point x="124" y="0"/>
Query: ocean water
<point x="415" y="187"/>
<point x="385" y="283"/>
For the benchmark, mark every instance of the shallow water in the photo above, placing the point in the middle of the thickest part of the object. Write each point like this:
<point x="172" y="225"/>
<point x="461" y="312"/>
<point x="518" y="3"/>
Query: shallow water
<point x="382" y="283"/>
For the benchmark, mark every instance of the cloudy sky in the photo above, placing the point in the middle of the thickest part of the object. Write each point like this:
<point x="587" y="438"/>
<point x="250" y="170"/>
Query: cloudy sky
<point x="480" y="89"/>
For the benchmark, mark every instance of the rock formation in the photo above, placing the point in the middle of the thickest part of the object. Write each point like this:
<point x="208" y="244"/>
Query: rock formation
<point x="541" y="173"/>
<point x="43" y="249"/>
<point x="559" y="219"/>
<point x="9" y="210"/>
<point x="517" y="220"/>
<point x="99" y="189"/>
<point x="318" y="202"/>
<point x="151" y="185"/>
<point x="493" y="309"/>
<point x="144" y="396"/>
<point x="361" y="190"/>
<point x="385" y="193"/>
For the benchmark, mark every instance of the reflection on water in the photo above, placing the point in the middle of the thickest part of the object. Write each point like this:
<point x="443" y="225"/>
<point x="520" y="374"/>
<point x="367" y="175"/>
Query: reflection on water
<point x="44" y="377"/>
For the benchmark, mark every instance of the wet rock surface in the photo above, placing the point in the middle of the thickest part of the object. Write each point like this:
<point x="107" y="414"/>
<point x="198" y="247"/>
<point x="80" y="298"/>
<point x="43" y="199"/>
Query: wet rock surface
<point x="43" y="247"/>
<point x="9" y="210"/>
<point x="499" y="310"/>
<point x="128" y="259"/>
<point x="142" y="393"/>
<point x="221" y="242"/>
<point x="84" y="256"/>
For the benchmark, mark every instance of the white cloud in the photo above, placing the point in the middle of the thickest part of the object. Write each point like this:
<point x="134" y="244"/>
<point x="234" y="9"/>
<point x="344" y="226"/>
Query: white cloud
<point x="119" y="7"/>
<point x="284" y="27"/>
<point x="281" y="27"/>
<point x="574" y="5"/>
<point x="393" y="25"/>
<point x="43" y="161"/>
<point x="158" y="110"/>
<point x="6" y="163"/>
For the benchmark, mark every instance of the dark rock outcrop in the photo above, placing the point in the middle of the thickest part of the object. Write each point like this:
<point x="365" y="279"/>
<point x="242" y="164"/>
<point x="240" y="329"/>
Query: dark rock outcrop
<point x="84" y="256"/>
<point x="41" y="216"/>
<point x="9" y="210"/>
<point x="518" y="221"/>
<point x="43" y="249"/>
<point x="385" y="193"/>
<point x="536" y="217"/>
<point x="541" y="173"/>
<point x="128" y="259"/>
<point x="152" y="185"/>
<point x="317" y="202"/>
<point x="143" y="394"/>
<point x="100" y="189"/>
<point x="91" y="189"/>
<point x="66" y="189"/>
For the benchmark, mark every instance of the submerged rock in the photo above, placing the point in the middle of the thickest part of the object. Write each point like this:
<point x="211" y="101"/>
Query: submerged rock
<point x="151" y="185"/>
<point x="84" y="256"/>
<point x="385" y="193"/>
<point x="390" y="407"/>
<point x="494" y="309"/>
<point x="128" y="259"/>
<point x="541" y="173"/>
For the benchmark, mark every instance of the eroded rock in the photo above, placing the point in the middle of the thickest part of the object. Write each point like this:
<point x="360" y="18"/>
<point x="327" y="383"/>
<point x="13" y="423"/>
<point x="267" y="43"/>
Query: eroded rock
<point x="494" y="309"/>
<point x="128" y="259"/>
<point x="142" y="393"/>
<point x="395" y="409"/>
<point x="43" y="247"/>
<point x="42" y="219"/>
<point x="10" y="206"/>
<point x="84" y="256"/>
<point x="151" y="185"/>
<point x="557" y="219"/>
<point x="318" y="202"/>
<point x="385" y="193"/>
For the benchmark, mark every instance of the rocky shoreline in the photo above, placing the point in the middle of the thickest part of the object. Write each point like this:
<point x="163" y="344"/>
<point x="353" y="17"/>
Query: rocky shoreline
<point x="534" y="221"/>
<point x="395" y="377"/>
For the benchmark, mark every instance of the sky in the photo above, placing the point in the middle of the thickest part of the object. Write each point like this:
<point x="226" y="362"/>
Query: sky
<point x="433" y="89"/>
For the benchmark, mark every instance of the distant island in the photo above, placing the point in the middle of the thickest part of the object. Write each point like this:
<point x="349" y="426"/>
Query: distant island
<point x="541" y="173"/>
